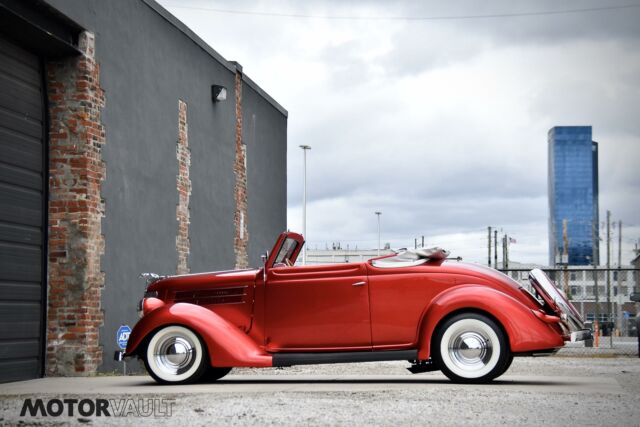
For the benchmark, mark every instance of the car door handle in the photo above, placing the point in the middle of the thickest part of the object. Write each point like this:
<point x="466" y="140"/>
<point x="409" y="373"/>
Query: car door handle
<point x="359" y="284"/>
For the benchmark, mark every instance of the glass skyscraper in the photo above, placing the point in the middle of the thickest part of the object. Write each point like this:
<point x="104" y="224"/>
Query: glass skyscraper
<point x="573" y="193"/>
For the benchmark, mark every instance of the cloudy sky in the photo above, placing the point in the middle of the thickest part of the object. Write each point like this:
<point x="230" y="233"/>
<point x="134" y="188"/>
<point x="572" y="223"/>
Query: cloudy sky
<point x="436" y="113"/>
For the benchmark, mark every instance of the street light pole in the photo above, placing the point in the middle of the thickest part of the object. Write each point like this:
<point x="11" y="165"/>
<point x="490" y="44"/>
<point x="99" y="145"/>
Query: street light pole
<point x="304" y="200"/>
<point x="378" y="215"/>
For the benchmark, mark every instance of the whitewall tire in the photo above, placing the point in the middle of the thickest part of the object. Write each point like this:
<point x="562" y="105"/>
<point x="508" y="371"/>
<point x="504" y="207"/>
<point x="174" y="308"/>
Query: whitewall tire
<point x="175" y="355"/>
<point x="471" y="348"/>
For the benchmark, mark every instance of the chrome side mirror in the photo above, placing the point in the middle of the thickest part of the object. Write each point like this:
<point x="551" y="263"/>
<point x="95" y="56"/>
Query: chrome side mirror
<point x="264" y="257"/>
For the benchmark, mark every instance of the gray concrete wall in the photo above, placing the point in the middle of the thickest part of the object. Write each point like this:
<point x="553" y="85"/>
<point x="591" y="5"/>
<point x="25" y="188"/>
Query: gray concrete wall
<point x="147" y="64"/>
<point x="265" y="134"/>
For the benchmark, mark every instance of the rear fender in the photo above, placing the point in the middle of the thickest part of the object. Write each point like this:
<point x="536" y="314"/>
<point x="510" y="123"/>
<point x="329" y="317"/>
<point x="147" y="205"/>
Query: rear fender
<point x="524" y="330"/>
<point x="228" y="346"/>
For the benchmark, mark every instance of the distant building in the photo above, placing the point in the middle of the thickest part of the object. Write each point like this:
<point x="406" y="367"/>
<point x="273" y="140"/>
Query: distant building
<point x="573" y="193"/>
<point x="635" y="263"/>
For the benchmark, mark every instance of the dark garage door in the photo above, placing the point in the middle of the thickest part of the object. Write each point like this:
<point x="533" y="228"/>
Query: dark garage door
<point x="22" y="196"/>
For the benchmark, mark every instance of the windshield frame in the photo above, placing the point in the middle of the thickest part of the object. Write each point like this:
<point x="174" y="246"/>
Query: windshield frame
<point x="277" y="256"/>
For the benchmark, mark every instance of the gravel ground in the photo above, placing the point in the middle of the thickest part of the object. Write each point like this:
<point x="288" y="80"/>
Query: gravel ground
<point x="435" y="403"/>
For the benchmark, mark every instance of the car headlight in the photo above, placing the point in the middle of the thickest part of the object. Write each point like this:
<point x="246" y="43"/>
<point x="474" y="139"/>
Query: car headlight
<point x="140" y="307"/>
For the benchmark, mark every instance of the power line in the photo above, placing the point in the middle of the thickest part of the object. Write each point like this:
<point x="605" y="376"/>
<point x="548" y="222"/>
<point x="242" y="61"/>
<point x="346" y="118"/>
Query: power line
<point x="407" y="18"/>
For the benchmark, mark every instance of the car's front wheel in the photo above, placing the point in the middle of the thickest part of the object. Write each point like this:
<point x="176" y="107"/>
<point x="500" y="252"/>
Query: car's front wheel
<point x="471" y="348"/>
<point x="175" y="355"/>
<point x="214" y="374"/>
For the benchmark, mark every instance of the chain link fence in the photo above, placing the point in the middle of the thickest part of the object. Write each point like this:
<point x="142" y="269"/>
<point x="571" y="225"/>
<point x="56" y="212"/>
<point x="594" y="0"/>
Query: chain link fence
<point x="604" y="297"/>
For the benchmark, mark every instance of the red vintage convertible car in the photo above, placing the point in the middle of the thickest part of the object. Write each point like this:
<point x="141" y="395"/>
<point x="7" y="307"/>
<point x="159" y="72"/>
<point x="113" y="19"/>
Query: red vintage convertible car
<point x="466" y="320"/>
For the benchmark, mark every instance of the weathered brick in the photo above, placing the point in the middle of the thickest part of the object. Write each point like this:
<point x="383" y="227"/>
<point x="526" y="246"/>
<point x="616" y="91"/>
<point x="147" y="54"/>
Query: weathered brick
<point x="240" y="219"/>
<point x="183" y="184"/>
<point x="76" y="136"/>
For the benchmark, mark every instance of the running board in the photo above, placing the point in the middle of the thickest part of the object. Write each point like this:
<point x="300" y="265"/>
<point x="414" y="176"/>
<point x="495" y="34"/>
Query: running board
<point x="290" y="359"/>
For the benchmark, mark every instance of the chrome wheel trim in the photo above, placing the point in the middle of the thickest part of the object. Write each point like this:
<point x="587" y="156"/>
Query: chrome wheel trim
<point x="470" y="348"/>
<point x="174" y="354"/>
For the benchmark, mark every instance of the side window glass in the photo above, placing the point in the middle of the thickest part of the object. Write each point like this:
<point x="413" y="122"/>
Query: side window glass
<point x="286" y="251"/>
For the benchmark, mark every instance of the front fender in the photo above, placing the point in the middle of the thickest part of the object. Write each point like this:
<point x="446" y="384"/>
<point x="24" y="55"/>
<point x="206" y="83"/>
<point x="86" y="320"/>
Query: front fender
<point x="524" y="330"/>
<point x="228" y="346"/>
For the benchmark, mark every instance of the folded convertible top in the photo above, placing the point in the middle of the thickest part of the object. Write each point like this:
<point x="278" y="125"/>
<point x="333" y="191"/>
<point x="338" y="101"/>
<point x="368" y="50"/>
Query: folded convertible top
<point x="411" y="257"/>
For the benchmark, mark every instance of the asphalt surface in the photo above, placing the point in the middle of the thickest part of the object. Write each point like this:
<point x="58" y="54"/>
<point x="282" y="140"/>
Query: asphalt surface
<point x="553" y="391"/>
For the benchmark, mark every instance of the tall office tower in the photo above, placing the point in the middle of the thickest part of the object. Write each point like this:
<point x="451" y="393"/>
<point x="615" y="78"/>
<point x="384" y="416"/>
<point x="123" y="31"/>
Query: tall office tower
<point x="573" y="194"/>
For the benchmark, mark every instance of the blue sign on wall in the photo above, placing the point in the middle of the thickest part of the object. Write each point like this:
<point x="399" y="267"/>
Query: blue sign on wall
<point x="122" y="336"/>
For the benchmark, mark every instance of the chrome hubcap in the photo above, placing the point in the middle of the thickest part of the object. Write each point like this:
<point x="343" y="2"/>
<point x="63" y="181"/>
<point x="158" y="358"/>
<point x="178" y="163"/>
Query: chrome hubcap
<point x="470" y="350"/>
<point x="175" y="355"/>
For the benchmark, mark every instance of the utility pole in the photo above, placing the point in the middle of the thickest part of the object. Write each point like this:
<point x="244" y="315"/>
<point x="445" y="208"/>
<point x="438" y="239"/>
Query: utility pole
<point x="423" y="241"/>
<point x="619" y="243"/>
<point x="619" y="310"/>
<point x="594" y="254"/>
<point x="415" y="243"/>
<point x="378" y="215"/>
<point x="609" y="277"/>
<point x="505" y="252"/>
<point x="305" y="148"/>
<point x="489" y="246"/>
<point x="565" y="257"/>
<point x="507" y="240"/>
<point x="495" y="248"/>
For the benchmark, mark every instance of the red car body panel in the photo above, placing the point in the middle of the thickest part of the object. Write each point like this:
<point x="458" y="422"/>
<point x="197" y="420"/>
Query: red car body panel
<point x="525" y="331"/>
<point x="317" y="308"/>
<point x="228" y="345"/>
<point x="246" y="316"/>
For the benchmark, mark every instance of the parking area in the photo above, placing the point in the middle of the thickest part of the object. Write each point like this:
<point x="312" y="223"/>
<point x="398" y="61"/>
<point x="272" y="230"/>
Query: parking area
<point x="556" y="390"/>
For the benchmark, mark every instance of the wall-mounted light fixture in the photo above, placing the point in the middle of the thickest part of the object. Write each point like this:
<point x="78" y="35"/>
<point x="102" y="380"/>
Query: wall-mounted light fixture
<point x="218" y="93"/>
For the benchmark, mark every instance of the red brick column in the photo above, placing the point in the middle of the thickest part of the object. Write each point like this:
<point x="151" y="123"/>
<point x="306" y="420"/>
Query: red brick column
<point x="76" y="171"/>
<point x="240" y="169"/>
<point x="184" y="190"/>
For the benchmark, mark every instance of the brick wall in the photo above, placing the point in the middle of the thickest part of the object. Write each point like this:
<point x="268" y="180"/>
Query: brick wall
<point x="76" y="171"/>
<point x="184" y="190"/>
<point x="240" y="169"/>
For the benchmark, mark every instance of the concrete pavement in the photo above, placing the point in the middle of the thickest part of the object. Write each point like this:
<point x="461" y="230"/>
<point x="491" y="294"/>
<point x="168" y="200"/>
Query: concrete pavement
<point x="552" y="391"/>
<point x="245" y="384"/>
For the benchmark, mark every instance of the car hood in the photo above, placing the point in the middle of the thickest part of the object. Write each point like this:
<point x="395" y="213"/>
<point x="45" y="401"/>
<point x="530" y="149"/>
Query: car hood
<point x="210" y="279"/>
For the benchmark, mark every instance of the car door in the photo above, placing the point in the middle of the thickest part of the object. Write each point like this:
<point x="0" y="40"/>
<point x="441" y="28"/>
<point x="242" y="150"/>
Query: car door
<point x="317" y="308"/>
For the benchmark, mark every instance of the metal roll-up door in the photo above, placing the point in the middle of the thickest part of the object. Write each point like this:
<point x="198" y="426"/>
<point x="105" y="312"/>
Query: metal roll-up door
<point x="22" y="213"/>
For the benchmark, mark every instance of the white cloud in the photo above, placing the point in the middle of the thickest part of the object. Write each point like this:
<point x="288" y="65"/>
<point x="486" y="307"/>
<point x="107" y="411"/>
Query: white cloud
<point x="441" y="125"/>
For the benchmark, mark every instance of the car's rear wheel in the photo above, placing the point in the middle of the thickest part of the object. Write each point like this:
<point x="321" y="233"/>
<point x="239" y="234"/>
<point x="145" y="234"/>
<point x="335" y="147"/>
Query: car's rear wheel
<point x="471" y="348"/>
<point x="175" y="355"/>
